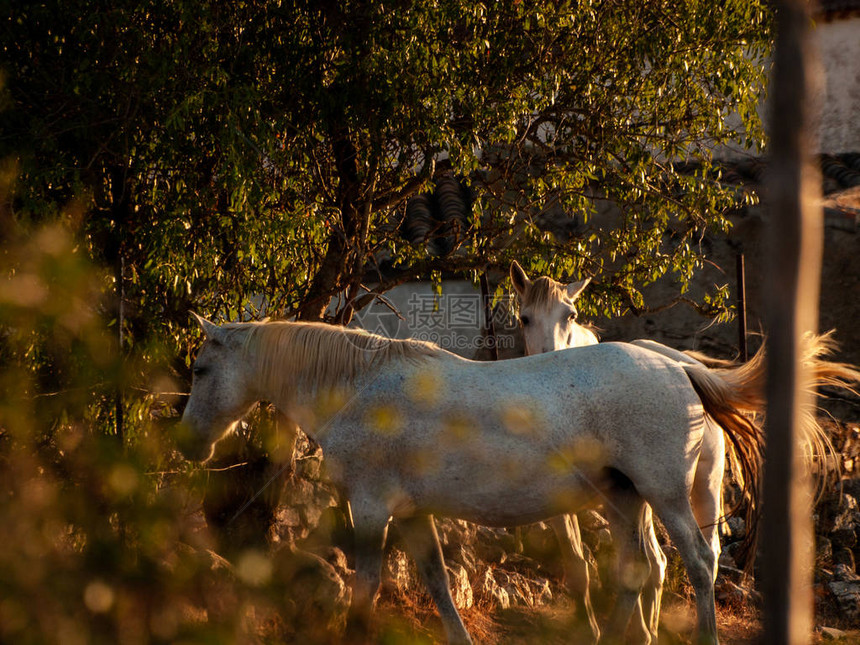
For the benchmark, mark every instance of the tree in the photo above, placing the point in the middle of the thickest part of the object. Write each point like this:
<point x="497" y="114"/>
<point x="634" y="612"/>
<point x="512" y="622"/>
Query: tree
<point x="219" y="151"/>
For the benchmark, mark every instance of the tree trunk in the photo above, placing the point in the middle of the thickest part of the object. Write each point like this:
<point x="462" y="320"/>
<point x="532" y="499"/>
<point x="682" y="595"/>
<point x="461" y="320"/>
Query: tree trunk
<point x="121" y="209"/>
<point x="345" y="251"/>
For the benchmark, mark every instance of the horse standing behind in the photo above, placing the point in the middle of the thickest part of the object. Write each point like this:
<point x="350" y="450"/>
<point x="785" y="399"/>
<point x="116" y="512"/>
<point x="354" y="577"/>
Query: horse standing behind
<point x="410" y="430"/>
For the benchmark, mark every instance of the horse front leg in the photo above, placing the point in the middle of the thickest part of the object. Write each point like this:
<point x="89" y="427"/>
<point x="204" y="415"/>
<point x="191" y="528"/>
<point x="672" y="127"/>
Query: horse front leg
<point x="370" y="524"/>
<point x="422" y="541"/>
<point x="566" y="529"/>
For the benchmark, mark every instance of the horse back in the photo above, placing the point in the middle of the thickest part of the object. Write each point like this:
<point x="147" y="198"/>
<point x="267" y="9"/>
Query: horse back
<point x="533" y="424"/>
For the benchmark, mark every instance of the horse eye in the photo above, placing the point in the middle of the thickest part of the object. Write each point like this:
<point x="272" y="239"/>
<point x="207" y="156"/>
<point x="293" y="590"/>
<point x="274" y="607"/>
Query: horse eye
<point x="524" y="320"/>
<point x="198" y="371"/>
<point x="572" y="316"/>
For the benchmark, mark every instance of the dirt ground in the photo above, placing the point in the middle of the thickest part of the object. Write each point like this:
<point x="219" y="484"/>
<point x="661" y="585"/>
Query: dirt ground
<point x="552" y="625"/>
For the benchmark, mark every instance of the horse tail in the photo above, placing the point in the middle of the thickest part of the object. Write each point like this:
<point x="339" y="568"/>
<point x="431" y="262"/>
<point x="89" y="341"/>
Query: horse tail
<point x="710" y="361"/>
<point x="820" y="372"/>
<point x="725" y="404"/>
<point x="747" y="382"/>
<point x="735" y="396"/>
<point x="815" y="348"/>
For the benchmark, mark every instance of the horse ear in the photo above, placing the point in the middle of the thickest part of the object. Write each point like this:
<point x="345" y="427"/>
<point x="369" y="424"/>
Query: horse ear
<point x="210" y="329"/>
<point x="519" y="278"/>
<point x="574" y="289"/>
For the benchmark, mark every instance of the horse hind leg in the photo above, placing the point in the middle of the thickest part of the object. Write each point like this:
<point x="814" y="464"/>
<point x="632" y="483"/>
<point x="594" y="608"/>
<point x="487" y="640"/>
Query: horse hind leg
<point x="422" y="542"/>
<point x="706" y="495"/>
<point x="566" y="529"/>
<point x="698" y="557"/>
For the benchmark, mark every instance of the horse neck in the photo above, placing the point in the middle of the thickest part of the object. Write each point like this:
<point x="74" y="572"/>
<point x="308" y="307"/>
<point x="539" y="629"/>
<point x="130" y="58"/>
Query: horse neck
<point x="281" y="395"/>
<point x="582" y="337"/>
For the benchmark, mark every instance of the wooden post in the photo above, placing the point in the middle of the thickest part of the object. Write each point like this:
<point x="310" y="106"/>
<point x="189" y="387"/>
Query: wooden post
<point x="489" y="323"/>
<point x="742" y="307"/>
<point x="794" y="238"/>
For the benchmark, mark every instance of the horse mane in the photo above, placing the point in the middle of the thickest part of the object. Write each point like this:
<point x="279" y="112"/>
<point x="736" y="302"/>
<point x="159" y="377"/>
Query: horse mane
<point x="543" y="291"/>
<point x="320" y="356"/>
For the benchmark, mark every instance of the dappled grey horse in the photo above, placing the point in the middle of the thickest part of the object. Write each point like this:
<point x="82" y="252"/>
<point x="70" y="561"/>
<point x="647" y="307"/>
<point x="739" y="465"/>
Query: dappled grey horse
<point x="410" y="430"/>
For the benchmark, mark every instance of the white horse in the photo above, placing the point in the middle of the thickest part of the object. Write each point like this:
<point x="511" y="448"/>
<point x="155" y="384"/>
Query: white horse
<point x="410" y="430"/>
<point x="548" y="316"/>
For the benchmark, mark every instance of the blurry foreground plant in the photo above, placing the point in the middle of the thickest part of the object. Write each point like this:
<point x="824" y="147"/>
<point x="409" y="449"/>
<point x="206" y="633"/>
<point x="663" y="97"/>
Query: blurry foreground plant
<point x="104" y="542"/>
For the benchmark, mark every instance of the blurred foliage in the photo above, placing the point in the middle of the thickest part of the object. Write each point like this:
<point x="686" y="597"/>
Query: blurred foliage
<point x="88" y="532"/>
<point x="105" y="541"/>
<point x="169" y="155"/>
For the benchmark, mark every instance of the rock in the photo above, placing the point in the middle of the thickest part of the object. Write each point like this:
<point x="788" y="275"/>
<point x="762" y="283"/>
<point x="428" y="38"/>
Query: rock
<point x="852" y="486"/>
<point x="493" y="545"/>
<point x="400" y="573"/>
<point x="844" y="557"/>
<point x="823" y="551"/>
<point x="840" y="513"/>
<point x="544" y="592"/>
<point x="732" y="550"/>
<point x="732" y="574"/>
<point x="831" y="633"/>
<point x="289" y="516"/>
<point x="242" y="494"/>
<point x="337" y="558"/>
<point x="843" y="573"/>
<point x="736" y="594"/>
<point x="516" y="587"/>
<point x="736" y="528"/>
<point x="502" y="588"/>
<point x="461" y="589"/>
<point x="591" y="520"/>
<point x="454" y="533"/>
<point x="316" y="594"/>
<point x="844" y="537"/>
<point x="540" y="542"/>
<point x="847" y="596"/>
<point x="492" y="592"/>
<point x="463" y="554"/>
<point x="726" y="560"/>
<point x="604" y="539"/>
<point x="400" y="576"/>
<point x="823" y="575"/>
<point x="218" y="591"/>
<point x="308" y="466"/>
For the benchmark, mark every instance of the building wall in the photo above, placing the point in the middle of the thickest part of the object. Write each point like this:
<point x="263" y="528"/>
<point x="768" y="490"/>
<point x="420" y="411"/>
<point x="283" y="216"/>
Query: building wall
<point x="838" y="44"/>
<point x="837" y="41"/>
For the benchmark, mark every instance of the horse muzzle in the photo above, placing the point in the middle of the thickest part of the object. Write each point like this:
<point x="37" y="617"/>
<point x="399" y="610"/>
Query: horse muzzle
<point x="191" y="445"/>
